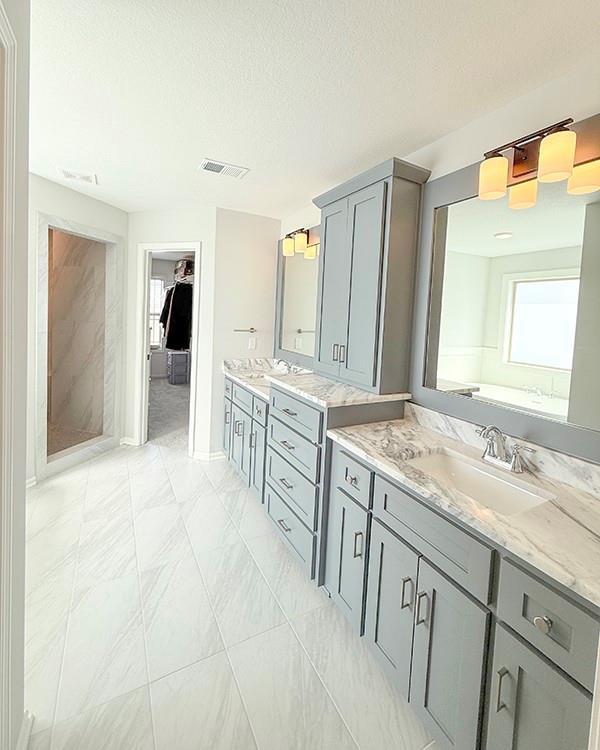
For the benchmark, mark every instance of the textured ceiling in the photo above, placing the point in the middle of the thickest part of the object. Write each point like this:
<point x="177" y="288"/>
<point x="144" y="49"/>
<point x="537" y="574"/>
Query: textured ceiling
<point x="304" y="93"/>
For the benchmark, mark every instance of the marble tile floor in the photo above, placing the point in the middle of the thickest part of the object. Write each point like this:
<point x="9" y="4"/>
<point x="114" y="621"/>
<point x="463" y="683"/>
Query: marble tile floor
<point x="168" y="413"/>
<point x="164" y="612"/>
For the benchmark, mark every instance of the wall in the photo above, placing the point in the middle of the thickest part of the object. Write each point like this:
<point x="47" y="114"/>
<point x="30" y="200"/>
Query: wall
<point x="47" y="197"/>
<point x="76" y="330"/>
<point x="12" y="379"/>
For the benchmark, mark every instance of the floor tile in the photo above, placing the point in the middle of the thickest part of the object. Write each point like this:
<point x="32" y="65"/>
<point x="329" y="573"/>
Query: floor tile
<point x="242" y="601"/>
<point x="223" y="476"/>
<point x="288" y="580"/>
<point x="160" y="537"/>
<point x="247" y="512"/>
<point x="209" y="526"/>
<point x="199" y="708"/>
<point x="104" y="654"/>
<point x="52" y="546"/>
<point x="124" y="723"/>
<point x="376" y="714"/>
<point x="150" y="488"/>
<point x="286" y="702"/>
<point x="40" y="741"/>
<point x="178" y="621"/>
<point x="107" y="497"/>
<point x="106" y="551"/>
<point x="46" y="616"/>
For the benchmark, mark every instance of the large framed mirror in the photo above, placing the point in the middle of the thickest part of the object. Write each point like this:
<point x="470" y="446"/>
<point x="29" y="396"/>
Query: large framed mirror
<point x="295" y="318"/>
<point x="507" y="320"/>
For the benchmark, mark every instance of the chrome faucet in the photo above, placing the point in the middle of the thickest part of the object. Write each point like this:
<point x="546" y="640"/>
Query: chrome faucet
<point x="497" y="453"/>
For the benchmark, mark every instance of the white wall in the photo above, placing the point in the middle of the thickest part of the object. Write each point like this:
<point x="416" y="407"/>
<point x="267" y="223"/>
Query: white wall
<point x="56" y="200"/>
<point x="13" y="581"/>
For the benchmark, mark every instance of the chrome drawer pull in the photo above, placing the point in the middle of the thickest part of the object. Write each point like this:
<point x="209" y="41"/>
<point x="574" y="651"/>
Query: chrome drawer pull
<point x="259" y="411"/>
<point x="357" y="535"/>
<point x="237" y="427"/>
<point x="283" y="525"/>
<point x="290" y="413"/>
<point x="543" y="624"/>
<point x="422" y="597"/>
<point x="334" y="352"/>
<point x="403" y="602"/>
<point x="349" y="479"/>
<point x="500" y="704"/>
<point x="288" y="446"/>
<point x="253" y="440"/>
<point x="227" y="417"/>
<point x="342" y="353"/>
<point x="284" y="482"/>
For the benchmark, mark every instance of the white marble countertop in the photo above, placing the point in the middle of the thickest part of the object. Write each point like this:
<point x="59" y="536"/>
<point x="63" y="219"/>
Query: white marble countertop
<point x="561" y="537"/>
<point x="330" y="393"/>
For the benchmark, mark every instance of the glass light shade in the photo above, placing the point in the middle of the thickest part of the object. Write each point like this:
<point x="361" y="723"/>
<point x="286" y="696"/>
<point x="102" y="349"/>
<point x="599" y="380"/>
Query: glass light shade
<point x="557" y="152"/>
<point x="523" y="195"/>
<point x="300" y="241"/>
<point x="585" y="178"/>
<point x="311" y="252"/>
<point x="493" y="175"/>
<point x="288" y="246"/>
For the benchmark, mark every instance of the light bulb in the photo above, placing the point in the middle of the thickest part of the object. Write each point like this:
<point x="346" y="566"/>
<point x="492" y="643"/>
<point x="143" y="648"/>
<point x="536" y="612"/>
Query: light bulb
<point x="523" y="194"/>
<point x="311" y="252"/>
<point x="493" y="175"/>
<point x="288" y="246"/>
<point x="300" y="241"/>
<point x="585" y="178"/>
<point x="557" y="152"/>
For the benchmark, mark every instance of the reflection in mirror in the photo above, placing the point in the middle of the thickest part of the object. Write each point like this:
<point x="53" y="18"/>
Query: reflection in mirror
<point x="515" y="304"/>
<point x="299" y="299"/>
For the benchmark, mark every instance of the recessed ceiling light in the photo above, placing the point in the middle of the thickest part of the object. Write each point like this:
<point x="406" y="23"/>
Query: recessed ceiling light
<point x="503" y="235"/>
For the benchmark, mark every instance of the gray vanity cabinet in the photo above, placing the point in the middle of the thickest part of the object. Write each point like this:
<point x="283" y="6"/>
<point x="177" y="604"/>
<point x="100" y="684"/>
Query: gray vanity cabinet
<point x="450" y="643"/>
<point x="240" y="441"/>
<point x="345" y="566"/>
<point x="392" y="587"/>
<point x="227" y="428"/>
<point x="334" y="283"/>
<point x="532" y="704"/>
<point x="366" y="269"/>
<point x="257" y="447"/>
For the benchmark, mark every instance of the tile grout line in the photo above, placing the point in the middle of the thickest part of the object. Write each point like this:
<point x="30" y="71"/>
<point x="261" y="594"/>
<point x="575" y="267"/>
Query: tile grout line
<point x="225" y="647"/>
<point x="70" y="612"/>
<point x="143" y="618"/>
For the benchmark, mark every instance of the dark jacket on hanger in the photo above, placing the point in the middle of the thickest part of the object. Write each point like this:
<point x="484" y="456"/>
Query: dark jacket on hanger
<point x="176" y="316"/>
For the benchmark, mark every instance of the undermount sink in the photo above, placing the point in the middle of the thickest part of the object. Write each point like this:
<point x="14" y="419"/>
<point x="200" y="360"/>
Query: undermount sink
<point x="498" y="490"/>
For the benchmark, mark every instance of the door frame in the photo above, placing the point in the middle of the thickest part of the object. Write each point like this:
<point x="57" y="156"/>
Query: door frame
<point x="145" y="250"/>
<point x="12" y="483"/>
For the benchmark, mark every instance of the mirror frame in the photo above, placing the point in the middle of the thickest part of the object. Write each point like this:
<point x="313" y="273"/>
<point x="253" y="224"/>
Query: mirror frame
<point x="581" y="442"/>
<point x="303" y="360"/>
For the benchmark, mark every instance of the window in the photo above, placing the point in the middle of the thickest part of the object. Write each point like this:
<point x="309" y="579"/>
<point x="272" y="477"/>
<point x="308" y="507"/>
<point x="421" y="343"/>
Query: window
<point x="542" y="329"/>
<point x="157" y="291"/>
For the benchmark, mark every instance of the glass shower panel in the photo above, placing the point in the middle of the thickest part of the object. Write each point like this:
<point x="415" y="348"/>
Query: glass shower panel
<point x="76" y="332"/>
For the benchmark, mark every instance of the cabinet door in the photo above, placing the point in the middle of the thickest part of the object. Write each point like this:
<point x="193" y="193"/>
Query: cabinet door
<point x="257" y="469"/>
<point x="334" y="283"/>
<point x="246" y="457"/>
<point x="366" y="227"/>
<point x="391" y="591"/>
<point x="345" y="567"/>
<point x="236" y="444"/>
<point x="227" y="428"/>
<point x="448" y="660"/>
<point x="533" y="706"/>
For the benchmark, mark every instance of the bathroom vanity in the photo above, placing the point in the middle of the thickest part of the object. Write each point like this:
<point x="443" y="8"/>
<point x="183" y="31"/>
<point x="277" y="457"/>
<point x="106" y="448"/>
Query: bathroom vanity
<point x="472" y="571"/>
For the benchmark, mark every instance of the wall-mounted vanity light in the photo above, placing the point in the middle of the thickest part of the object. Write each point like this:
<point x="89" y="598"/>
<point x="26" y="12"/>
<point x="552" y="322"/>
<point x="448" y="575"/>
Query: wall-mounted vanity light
<point x="287" y="246"/>
<point x="300" y="240"/>
<point x="311" y="251"/>
<point x="547" y="155"/>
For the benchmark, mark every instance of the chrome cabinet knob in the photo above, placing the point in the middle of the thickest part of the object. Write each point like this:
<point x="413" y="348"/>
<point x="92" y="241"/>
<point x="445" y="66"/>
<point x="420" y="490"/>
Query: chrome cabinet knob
<point x="543" y="624"/>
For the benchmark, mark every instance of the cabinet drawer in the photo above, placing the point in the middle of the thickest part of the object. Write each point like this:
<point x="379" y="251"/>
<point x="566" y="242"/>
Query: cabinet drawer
<point x="299" y="493"/>
<point x="299" y="451"/>
<point x="302" y="417"/>
<point x="259" y="410"/>
<point x="561" y="630"/>
<point x="242" y="398"/>
<point x="352" y="477"/>
<point x="293" y="531"/>
<point x="465" y="559"/>
<point x="228" y="388"/>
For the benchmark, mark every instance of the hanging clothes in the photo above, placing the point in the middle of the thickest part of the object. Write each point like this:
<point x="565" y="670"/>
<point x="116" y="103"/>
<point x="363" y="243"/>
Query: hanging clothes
<point x="176" y="316"/>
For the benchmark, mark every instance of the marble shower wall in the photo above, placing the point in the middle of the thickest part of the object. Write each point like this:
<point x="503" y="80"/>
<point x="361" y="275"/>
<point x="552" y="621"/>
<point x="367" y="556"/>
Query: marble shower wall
<point x="76" y="338"/>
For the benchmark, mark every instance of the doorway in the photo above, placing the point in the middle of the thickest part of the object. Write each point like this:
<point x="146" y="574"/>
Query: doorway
<point x="171" y="311"/>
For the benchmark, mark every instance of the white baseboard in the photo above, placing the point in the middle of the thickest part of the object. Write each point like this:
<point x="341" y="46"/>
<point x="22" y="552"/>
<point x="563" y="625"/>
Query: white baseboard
<point x="31" y="482"/>
<point x="25" y="733"/>
<point x="129" y="441"/>
<point x="203" y="456"/>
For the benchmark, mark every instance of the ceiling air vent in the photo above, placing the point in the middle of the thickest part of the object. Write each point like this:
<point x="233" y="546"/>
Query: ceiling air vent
<point x="69" y="174"/>
<point x="220" y="167"/>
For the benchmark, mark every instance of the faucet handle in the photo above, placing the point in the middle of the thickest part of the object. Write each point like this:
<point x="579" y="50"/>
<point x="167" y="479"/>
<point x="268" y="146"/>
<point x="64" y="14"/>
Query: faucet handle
<point x="516" y="462"/>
